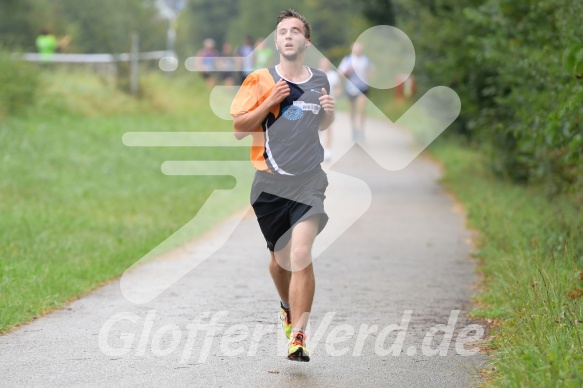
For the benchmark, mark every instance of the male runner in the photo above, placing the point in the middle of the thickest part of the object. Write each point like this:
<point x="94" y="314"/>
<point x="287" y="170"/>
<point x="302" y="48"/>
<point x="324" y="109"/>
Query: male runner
<point x="283" y="107"/>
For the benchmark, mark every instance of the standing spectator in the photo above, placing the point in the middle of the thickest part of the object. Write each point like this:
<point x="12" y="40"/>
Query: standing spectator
<point x="227" y="65"/>
<point x="247" y="58"/>
<point x="263" y="54"/>
<point x="46" y="44"/>
<point x="206" y="58"/>
<point x="405" y="87"/>
<point x="409" y="87"/>
<point x="356" y="67"/>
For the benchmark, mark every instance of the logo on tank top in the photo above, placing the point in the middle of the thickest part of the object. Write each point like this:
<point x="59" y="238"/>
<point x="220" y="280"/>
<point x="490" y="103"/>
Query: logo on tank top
<point x="292" y="112"/>
<point x="296" y="111"/>
<point x="314" y="108"/>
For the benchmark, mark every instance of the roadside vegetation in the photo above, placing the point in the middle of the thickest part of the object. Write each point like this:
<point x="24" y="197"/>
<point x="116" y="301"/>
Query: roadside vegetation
<point x="78" y="207"/>
<point x="515" y="160"/>
<point x="530" y="254"/>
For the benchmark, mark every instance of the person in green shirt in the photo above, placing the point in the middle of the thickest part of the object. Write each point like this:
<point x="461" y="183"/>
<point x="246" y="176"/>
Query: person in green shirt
<point x="263" y="55"/>
<point x="46" y="44"/>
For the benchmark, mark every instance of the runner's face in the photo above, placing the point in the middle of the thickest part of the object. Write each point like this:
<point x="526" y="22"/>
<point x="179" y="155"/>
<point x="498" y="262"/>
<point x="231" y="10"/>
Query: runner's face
<point x="290" y="39"/>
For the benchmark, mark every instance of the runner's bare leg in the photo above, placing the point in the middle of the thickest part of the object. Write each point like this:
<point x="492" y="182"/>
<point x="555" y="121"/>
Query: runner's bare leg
<point x="361" y="108"/>
<point x="303" y="284"/>
<point x="352" y="104"/>
<point x="279" y="269"/>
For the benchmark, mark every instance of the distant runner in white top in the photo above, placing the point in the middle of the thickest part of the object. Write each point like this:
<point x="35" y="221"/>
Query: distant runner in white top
<point x="356" y="67"/>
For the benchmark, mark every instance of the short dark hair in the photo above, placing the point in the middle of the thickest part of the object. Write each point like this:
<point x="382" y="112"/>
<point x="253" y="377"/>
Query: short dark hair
<point x="290" y="13"/>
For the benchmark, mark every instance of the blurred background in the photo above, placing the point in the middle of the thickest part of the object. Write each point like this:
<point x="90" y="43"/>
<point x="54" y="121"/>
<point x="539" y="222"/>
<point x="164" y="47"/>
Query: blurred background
<point x="517" y="65"/>
<point x="77" y="207"/>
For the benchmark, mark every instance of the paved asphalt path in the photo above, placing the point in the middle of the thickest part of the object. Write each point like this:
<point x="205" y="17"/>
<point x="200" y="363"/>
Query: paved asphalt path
<point x="406" y="256"/>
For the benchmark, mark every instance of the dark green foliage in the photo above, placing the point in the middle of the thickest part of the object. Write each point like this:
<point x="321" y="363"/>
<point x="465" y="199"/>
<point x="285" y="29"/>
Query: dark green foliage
<point x="333" y="27"/>
<point x="379" y="12"/>
<point x="20" y="22"/>
<point x="107" y="25"/>
<point x="103" y="26"/>
<point x="515" y="65"/>
<point x="205" y="19"/>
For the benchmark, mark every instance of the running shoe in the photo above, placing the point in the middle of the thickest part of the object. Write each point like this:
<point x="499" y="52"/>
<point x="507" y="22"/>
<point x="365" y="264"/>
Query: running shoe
<point x="286" y="323"/>
<point x="297" y="349"/>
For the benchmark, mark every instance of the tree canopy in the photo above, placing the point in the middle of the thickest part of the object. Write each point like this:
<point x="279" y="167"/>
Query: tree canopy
<point x="517" y="66"/>
<point x="105" y="26"/>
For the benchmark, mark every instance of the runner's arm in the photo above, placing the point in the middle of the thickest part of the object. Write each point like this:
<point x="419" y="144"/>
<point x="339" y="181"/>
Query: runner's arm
<point x="249" y="121"/>
<point x="246" y="123"/>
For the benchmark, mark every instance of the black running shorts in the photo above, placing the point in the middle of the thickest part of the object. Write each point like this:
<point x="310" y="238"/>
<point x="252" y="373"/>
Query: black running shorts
<point x="281" y="201"/>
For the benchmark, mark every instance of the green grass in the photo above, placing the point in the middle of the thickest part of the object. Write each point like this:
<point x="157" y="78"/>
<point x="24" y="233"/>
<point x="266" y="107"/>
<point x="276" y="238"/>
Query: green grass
<point x="77" y="206"/>
<point x="531" y="255"/>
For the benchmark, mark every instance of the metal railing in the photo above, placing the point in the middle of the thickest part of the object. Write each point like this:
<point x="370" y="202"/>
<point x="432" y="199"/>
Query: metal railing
<point x="93" y="58"/>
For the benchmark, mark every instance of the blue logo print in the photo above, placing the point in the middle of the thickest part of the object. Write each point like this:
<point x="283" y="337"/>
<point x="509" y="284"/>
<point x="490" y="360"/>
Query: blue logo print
<point x="292" y="112"/>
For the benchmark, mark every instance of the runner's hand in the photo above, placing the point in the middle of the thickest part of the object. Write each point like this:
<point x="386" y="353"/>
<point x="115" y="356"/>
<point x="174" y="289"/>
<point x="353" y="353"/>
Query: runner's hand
<point x="279" y="92"/>
<point x="327" y="102"/>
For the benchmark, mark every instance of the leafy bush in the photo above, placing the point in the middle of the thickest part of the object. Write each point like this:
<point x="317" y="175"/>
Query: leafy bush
<point x="517" y="66"/>
<point x="19" y="84"/>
